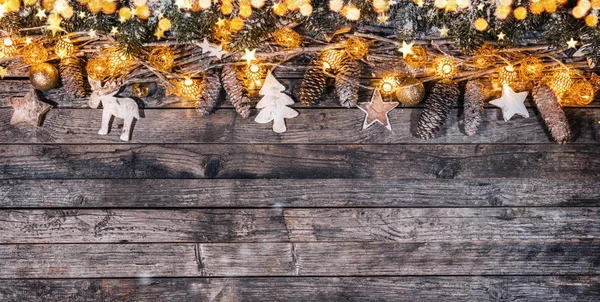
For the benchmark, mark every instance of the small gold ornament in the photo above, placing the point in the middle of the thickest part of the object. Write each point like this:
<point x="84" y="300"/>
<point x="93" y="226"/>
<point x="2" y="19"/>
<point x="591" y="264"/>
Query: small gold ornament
<point x="254" y="71"/>
<point x="188" y="88"/>
<point x="580" y="94"/>
<point x="389" y="84"/>
<point x="140" y="90"/>
<point x="34" y="53"/>
<point x="43" y="76"/>
<point x="484" y="56"/>
<point x="357" y="48"/>
<point x="418" y="58"/>
<point x="119" y="62"/>
<point x="445" y="67"/>
<point x="410" y="92"/>
<point x="507" y="75"/>
<point x="162" y="58"/>
<point x="287" y="37"/>
<point x="7" y="48"/>
<point x="97" y="68"/>
<point x="531" y="69"/>
<point x="64" y="48"/>
<point x="560" y="82"/>
<point x="331" y="60"/>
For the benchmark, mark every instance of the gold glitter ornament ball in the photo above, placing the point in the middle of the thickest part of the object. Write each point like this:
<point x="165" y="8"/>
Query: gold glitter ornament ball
<point x="97" y="68"/>
<point x="581" y="93"/>
<point x="531" y="69"/>
<point x="162" y="58"/>
<point x="357" y="48"/>
<point x="288" y="38"/>
<point x="43" y="76"/>
<point x="410" y="92"/>
<point x="418" y="58"/>
<point x="140" y="90"/>
<point x="34" y="53"/>
<point x="560" y="82"/>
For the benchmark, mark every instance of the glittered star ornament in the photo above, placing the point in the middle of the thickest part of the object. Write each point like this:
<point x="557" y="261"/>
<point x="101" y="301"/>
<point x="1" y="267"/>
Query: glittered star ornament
<point x="406" y="49"/>
<point x="249" y="56"/>
<point x="377" y="111"/>
<point x="28" y="109"/>
<point x="511" y="103"/>
<point x="41" y="14"/>
<point x="572" y="43"/>
<point x="501" y="36"/>
<point x="444" y="31"/>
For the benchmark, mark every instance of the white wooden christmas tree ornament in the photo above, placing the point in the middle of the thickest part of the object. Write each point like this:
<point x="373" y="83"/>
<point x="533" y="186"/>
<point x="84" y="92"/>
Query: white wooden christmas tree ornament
<point x="124" y="108"/>
<point x="274" y="104"/>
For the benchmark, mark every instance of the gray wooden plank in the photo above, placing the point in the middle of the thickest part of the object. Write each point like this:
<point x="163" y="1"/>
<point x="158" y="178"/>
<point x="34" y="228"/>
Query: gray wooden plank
<point x="283" y="193"/>
<point x="460" y="288"/>
<point x="301" y="161"/>
<point x="19" y="87"/>
<point x="326" y="126"/>
<point x="300" y="259"/>
<point x="407" y="225"/>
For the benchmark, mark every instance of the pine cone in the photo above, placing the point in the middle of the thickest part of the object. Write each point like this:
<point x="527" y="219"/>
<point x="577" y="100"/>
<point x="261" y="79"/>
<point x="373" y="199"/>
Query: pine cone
<point x="313" y="83"/>
<point x="211" y="89"/>
<point x="437" y="107"/>
<point x="71" y="77"/>
<point x="473" y="107"/>
<point x="235" y="90"/>
<point x="346" y="82"/>
<point x="552" y="113"/>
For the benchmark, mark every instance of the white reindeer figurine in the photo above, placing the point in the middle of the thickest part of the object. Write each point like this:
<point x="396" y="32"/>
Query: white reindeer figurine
<point x="124" y="108"/>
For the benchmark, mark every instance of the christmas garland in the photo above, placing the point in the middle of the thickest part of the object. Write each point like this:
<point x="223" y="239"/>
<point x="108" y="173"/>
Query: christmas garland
<point x="499" y="50"/>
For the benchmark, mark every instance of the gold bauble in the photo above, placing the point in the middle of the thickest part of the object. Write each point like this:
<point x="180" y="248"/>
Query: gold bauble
<point x="287" y="37"/>
<point x="255" y="71"/>
<point x="418" y="58"/>
<point x="43" y="76"/>
<point x="560" y="81"/>
<point x="445" y="67"/>
<point x="140" y="90"/>
<point x="118" y="62"/>
<point x="410" y="92"/>
<point x="34" y="53"/>
<point x="188" y="88"/>
<point x="580" y="94"/>
<point x="162" y="58"/>
<point x="357" y="48"/>
<point x="507" y="75"/>
<point x="64" y="48"/>
<point x="531" y="69"/>
<point x="7" y="48"/>
<point x="97" y="68"/>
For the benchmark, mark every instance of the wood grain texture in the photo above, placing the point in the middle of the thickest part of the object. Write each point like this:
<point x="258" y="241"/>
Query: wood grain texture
<point x="301" y="161"/>
<point x="309" y="289"/>
<point x="298" y="225"/>
<point x="325" y="126"/>
<point x="284" y="193"/>
<point x="300" y="259"/>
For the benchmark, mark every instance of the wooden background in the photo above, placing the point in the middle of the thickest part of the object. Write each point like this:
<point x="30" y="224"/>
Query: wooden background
<point x="220" y="208"/>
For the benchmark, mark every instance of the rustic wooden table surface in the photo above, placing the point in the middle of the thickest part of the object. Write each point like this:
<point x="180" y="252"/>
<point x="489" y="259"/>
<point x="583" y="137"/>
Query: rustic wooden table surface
<point x="223" y="209"/>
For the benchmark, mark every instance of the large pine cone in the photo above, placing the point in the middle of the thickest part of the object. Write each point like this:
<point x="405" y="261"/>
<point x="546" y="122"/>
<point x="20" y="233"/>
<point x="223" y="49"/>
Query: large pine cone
<point x="473" y="107"/>
<point x="71" y="77"/>
<point x="346" y="82"/>
<point x="313" y="83"/>
<point x="438" y="105"/>
<point x="211" y="89"/>
<point x="552" y="113"/>
<point x="235" y="90"/>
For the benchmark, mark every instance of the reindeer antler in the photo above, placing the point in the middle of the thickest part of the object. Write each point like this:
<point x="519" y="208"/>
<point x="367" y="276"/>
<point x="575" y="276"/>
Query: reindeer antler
<point x="107" y="88"/>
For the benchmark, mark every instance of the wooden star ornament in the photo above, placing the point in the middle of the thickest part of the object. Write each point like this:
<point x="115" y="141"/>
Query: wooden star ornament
<point x="28" y="109"/>
<point x="377" y="111"/>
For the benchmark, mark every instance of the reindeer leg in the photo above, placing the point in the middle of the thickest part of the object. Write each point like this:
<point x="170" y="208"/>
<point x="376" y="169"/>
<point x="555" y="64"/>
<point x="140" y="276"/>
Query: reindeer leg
<point x="126" y="128"/>
<point x="105" y="121"/>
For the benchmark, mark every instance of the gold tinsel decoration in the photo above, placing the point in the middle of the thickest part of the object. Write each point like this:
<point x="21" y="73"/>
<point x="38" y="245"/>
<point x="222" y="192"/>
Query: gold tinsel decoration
<point x="531" y="69"/>
<point x="162" y="58"/>
<point x="44" y="76"/>
<point x="418" y="58"/>
<point x="34" y="53"/>
<point x="507" y="75"/>
<point x="581" y="93"/>
<point x="445" y="67"/>
<point x="357" y="48"/>
<point x="560" y="82"/>
<point x="64" y="48"/>
<point x="287" y="37"/>
<point x="97" y="68"/>
<point x="484" y="56"/>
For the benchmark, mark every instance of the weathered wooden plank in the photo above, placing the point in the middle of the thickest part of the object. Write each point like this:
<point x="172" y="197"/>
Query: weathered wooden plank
<point x="298" y="225"/>
<point x="311" y="126"/>
<point x="301" y="161"/>
<point x="460" y="288"/>
<point x="19" y="87"/>
<point x="283" y="193"/>
<point x="300" y="259"/>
